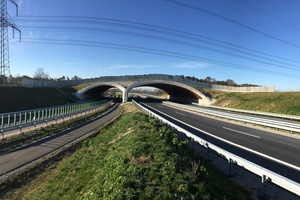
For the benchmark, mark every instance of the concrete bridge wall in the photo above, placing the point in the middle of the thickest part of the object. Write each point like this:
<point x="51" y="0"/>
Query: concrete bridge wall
<point x="137" y="78"/>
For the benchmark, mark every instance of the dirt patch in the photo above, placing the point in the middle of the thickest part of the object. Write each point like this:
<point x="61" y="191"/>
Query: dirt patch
<point x="121" y="136"/>
<point x="142" y="160"/>
<point x="225" y="102"/>
<point x="129" y="108"/>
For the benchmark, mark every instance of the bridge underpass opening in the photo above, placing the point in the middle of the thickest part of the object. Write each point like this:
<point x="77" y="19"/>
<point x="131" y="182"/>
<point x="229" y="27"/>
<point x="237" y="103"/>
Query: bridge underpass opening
<point x="102" y="91"/>
<point x="146" y="92"/>
<point x="176" y="92"/>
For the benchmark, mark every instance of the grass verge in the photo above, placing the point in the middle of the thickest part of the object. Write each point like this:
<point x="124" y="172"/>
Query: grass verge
<point x="135" y="158"/>
<point x="274" y="102"/>
<point x="27" y="137"/>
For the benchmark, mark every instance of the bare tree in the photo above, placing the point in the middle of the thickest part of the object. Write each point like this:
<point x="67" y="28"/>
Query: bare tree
<point x="40" y="74"/>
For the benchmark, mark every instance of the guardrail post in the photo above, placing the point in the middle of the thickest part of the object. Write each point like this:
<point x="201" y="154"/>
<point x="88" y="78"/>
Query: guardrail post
<point x="263" y="189"/>
<point x="2" y="134"/>
<point x="230" y="162"/>
<point x="192" y="143"/>
<point x="20" y="127"/>
<point x="208" y="150"/>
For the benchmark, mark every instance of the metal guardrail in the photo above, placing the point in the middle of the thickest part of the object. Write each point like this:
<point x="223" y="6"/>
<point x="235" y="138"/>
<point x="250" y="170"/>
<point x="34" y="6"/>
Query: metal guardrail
<point x="21" y="119"/>
<point x="266" y="174"/>
<point x="267" y="114"/>
<point x="277" y="124"/>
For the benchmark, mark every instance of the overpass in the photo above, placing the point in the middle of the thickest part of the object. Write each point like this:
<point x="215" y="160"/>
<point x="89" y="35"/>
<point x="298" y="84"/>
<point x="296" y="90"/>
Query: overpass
<point x="177" y="87"/>
<point x="177" y="92"/>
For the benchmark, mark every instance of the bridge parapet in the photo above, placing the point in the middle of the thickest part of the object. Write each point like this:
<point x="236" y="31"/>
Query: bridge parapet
<point x="129" y="79"/>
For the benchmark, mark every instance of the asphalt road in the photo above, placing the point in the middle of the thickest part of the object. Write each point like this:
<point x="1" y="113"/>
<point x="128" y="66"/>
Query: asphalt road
<point x="18" y="157"/>
<point x="283" y="148"/>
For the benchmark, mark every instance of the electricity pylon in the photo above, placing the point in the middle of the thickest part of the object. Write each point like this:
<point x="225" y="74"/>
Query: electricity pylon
<point x="6" y="22"/>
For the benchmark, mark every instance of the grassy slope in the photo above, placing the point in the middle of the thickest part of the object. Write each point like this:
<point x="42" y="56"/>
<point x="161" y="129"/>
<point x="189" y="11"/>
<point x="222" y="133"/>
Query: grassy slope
<point x="135" y="158"/>
<point x="24" y="98"/>
<point x="277" y="102"/>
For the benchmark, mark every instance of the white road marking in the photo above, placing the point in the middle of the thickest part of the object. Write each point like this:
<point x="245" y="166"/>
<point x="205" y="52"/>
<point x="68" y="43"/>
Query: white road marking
<point x="241" y="132"/>
<point x="180" y="113"/>
<point x="232" y="143"/>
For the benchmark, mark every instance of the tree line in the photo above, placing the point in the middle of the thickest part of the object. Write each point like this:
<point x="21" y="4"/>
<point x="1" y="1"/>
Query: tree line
<point x="210" y="80"/>
<point x="39" y="74"/>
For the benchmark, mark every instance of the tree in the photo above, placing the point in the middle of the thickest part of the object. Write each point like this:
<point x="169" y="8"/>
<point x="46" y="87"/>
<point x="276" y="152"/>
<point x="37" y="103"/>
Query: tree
<point x="207" y="79"/>
<point x="40" y="74"/>
<point x="230" y="82"/>
<point x="62" y="78"/>
<point x="75" y="77"/>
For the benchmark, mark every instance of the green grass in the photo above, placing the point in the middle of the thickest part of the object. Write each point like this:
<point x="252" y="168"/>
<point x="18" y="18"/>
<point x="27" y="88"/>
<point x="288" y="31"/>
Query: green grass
<point x="277" y="102"/>
<point x="13" y="98"/>
<point x="134" y="158"/>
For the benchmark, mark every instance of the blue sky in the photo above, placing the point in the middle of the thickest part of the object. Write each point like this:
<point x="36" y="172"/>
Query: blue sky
<point x="248" y="41"/>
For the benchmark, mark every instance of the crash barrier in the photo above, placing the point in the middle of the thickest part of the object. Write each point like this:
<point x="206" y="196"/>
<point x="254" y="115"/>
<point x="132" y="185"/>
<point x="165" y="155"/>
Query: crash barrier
<point x="291" y="126"/>
<point x="22" y="119"/>
<point x="265" y="174"/>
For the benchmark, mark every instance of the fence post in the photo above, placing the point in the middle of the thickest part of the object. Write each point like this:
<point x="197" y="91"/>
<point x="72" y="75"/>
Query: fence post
<point x="15" y="118"/>
<point x="2" y="121"/>
<point x="8" y="120"/>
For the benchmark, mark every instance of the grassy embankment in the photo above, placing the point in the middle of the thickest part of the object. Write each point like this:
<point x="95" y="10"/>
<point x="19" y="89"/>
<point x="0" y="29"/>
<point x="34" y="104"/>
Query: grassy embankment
<point x="134" y="158"/>
<point x="276" y="102"/>
<point x="24" y="98"/>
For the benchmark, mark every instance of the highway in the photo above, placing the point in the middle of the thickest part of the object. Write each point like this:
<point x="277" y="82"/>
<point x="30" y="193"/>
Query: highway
<point x="19" y="157"/>
<point x="276" y="152"/>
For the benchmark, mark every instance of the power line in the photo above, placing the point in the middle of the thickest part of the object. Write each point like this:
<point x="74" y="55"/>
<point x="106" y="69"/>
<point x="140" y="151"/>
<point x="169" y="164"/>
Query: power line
<point x="233" y="22"/>
<point x="270" y="16"/>
<point x="246" y="53"/>
<point x="153" y="29"/>
<point x="140" y="49"/>
<point x="267" y="61"/>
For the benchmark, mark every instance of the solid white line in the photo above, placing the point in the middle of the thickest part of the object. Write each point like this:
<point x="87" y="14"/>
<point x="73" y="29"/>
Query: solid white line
<point x="180" y="113"/>
<point x="241" y="132"/>
<point x="234" y="144"/>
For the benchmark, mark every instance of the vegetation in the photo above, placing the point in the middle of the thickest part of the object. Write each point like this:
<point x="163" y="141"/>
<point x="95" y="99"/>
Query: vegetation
<point x="135" y="158"/>
<point x="210" y="80"/>
<point x="15" y="98"/>
<point x="276" y="102"/>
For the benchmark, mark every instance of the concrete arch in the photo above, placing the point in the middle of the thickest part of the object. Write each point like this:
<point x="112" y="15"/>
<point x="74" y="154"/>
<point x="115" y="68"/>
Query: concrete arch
<point x="97" y="89"/>
<point x="176" y="91"/>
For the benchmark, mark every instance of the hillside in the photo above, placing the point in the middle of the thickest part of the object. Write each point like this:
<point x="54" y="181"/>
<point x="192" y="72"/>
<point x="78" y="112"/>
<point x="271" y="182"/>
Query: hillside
<point x="25" y="98"/>
<point x="276" y="102"/>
